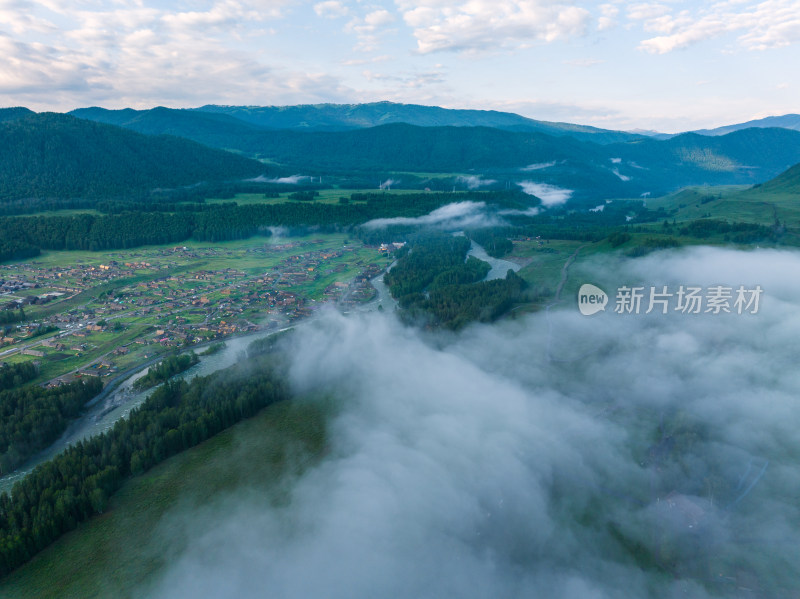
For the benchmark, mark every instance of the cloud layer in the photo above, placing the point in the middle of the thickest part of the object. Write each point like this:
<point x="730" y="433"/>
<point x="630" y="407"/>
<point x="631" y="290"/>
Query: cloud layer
<point x="142" y="53"/>
<point x="458" y="215"/>
<point x="557" y="455"/>
<point x="757" y="25"/>
<point x="480" y="25"/>
<point x="549" y="194"/>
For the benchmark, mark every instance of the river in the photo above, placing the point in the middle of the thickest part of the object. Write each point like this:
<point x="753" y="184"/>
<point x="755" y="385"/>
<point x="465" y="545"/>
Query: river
<point x="500" y="267"/>
<point x="104" y="411"/>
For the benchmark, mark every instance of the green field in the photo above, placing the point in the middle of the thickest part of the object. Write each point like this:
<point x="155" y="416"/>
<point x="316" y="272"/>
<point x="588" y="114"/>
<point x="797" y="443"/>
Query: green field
<point x="112" y="554"/>
<point x="734" y="203"/>
<point x="326" y="196"/>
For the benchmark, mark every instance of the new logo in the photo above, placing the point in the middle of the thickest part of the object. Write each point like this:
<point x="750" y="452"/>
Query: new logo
<point x="591" y="299"/>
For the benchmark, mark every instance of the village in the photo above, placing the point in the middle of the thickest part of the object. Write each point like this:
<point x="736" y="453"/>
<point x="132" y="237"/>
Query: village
<point x="104" y="314"/>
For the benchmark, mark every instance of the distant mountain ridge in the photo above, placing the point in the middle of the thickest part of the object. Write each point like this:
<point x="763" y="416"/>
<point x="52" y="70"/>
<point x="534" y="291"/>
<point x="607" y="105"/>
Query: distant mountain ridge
<point x="51" y="155"/>
<point x="340" y="117"/>
<point x="639" y="165"/>
<point x="215" y="130"/>
<point x="786" y="121"/>
<point x="623" y="169"/>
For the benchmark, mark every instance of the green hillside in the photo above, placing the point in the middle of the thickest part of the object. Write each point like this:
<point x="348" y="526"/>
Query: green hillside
<point x="12" y="114"/>
<point x="421" y="149"/>
<point x="216" y="130"/>
<point x="751" y="153"/>
<point x="777" y="200"/>
<point x="786" y="182"/>
<point x="55" y="155"/>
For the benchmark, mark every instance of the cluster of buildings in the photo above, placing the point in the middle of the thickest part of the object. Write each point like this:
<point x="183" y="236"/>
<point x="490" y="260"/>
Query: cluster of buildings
<point x="171" y="306"/>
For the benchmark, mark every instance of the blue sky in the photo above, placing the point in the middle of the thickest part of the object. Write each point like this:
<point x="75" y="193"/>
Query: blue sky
<point x="671" y="65"/>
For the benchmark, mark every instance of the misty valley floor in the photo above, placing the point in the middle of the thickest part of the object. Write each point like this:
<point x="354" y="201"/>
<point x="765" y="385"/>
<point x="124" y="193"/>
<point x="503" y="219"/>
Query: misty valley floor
<point x="551" y="455"/>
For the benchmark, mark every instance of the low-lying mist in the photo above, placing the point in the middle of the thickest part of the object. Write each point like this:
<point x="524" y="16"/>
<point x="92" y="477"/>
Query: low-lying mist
<point x="553" y="455"/>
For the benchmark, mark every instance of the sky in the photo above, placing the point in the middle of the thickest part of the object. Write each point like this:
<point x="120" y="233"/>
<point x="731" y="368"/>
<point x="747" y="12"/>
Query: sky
<point x="670" y="66"/>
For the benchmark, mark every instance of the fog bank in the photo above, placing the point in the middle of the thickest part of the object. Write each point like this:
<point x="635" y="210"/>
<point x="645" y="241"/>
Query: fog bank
<point x="554" y="455"/>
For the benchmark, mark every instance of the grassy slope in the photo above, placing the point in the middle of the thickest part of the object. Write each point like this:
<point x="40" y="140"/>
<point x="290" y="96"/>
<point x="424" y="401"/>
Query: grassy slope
<point x="756" y="205"/>
<point x="112" y="554"/>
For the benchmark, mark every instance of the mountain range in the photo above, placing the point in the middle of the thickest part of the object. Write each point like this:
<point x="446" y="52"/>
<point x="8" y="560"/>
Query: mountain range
<point x="215" y="122"/>
<point x="342" y="117"/>
<point x="94" y="151"/>
<point x="787" y="121"/>
<point x="587" y="163"/>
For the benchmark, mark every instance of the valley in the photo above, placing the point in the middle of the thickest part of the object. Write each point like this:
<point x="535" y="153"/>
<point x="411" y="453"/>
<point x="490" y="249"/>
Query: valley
<point x="177" y="339"/>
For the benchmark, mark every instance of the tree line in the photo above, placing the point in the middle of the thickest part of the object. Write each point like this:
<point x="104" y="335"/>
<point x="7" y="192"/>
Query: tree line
<point x="9" y="316"/>
<point x="14" y="375"/>
<point x="12" y="249"/>
<point x="736" y="232"/>
<point x="31" y="417"/>
<point x="167" y="368"/>
<point x="436" y="284"/>
<point x="455" y="306"/>
<point x="219" y="222"/>
<point x="67" y="490"/>
<point x="493" y="240"/>
<point x="427" y="258"/>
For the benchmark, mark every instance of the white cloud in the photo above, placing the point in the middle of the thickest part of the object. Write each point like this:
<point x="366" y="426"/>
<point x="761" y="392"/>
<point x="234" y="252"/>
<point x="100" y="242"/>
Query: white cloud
<point x="369" y="27"/>
<point x="549" y="194"/>
<point x="473" y="182"/>
<point x="647" y="11"/>
<point x="291" y="180"/>
<point x="40" y="69"/>
<point x="18" y="16"/>
<point x="759" y="25"/>
<point x="330" y="9"/>
<point x="620" y="175"/>
<point x="584" y="62"/>
<point x="448" y="25"/>
<point x="354" y="62"/>
<point x="458" y="215"/>
<point x="608" y="18"/>
<point x="407" y="80"/>
<point x="140" y="54"/>
<point x="379" y="18"/>
<point x="539" y="166"/>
